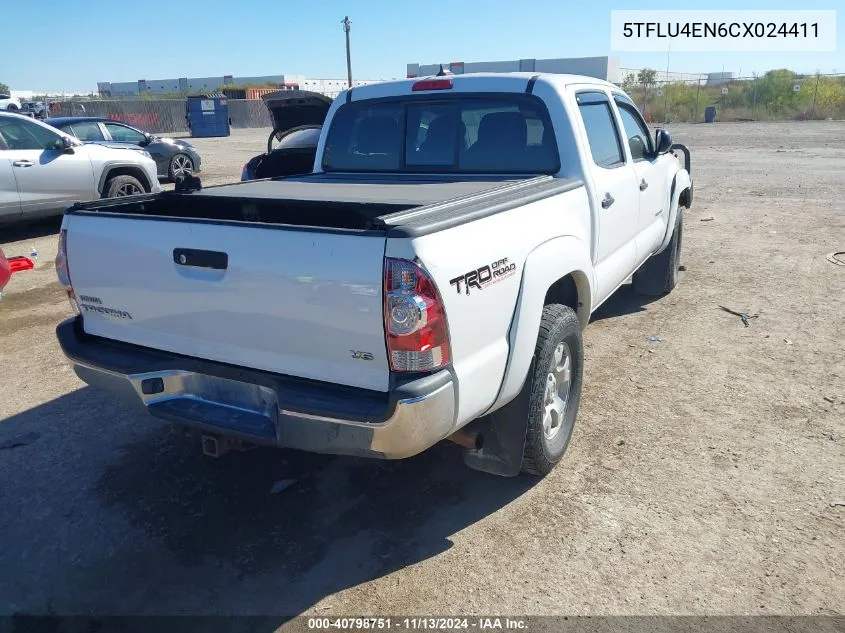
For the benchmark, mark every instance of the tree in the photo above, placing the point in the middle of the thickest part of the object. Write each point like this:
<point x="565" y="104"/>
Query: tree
<point x="647" y="76"/>
<point x="4" y="89"/>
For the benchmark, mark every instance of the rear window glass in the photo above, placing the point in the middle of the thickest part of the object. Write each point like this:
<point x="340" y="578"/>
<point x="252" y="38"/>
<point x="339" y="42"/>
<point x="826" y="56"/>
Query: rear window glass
<point x="301" y="138"/>
<point x="508" y="134"/>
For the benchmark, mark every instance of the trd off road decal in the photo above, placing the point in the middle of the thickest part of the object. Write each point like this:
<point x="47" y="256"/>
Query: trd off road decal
<point x="481" y="278"/>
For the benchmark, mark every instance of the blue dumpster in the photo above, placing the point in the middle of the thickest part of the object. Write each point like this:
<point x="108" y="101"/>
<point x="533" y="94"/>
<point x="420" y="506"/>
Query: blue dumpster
<point x="207" y="115"/>
<point x="709" y="114"/>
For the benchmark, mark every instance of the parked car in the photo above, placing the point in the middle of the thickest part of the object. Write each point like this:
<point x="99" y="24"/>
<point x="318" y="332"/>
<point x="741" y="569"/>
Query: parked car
<point x="5" y="271"/>
<point x="430" y="281"/>
<point x="37" y="108"/>
<point x="9" y="103"/>
<point x="297" y="117"/>
<point x="42" y="171"/>
<point x="173" y="157"/>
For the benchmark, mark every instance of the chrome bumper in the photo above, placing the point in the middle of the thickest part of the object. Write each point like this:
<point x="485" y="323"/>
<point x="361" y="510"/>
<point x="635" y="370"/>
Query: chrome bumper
<point x="252" y="412"/>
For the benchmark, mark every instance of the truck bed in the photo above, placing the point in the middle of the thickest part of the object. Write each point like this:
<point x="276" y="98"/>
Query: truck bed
<point x="401" y="205"/>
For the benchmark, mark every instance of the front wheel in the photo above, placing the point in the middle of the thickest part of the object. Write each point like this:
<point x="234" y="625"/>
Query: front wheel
<point x="659" y="274"/>
<point x="120" y="186"/>
<point x="555" y="389"/>
<point x="181" y="165"/>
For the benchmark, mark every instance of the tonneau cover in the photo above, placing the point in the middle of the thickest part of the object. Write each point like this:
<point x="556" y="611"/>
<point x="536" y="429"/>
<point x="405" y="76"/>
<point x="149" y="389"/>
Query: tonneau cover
<point x="357" y="188"/>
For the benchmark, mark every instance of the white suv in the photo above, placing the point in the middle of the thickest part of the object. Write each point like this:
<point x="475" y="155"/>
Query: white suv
<point x="42" y="171"/>
<point x="9" y="103"/>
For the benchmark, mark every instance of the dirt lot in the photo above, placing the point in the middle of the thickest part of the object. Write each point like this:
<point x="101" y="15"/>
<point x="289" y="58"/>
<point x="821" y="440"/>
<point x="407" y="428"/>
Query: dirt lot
<point x="705" y="475"/>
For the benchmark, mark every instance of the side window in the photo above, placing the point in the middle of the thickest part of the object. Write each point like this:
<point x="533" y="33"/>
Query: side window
<point x="602" y="134"/>
<point x="87" y="131"/>
<point x="639" y="139"/>
<point x="124" y="134"/>
<point x="21" y="134"/>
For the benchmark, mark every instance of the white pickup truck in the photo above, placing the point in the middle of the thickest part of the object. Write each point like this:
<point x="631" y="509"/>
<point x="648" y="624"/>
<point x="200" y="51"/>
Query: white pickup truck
<point x="429" y="280"/>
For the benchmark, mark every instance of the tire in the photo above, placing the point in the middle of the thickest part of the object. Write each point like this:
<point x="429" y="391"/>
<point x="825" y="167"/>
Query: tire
<point x="11" y="108"/>
<point x="180" y="164"/>
<point x="659" y="274"/>
<point x="122" y="186"/>
<point x="550" y="424"/>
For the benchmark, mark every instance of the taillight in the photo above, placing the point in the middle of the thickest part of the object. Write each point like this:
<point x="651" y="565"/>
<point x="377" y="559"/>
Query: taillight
<point x="414" y="319"/>
<point x="63" y="272"/>
<point x="432" y="84"/>
<point x="245" y="175"/>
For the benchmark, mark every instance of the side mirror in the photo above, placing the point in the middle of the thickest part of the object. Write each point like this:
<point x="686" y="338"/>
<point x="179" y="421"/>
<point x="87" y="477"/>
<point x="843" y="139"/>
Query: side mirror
<point x="148" y="138"/>
<point x="63" y="143"/>
<point x="662" y="141"/>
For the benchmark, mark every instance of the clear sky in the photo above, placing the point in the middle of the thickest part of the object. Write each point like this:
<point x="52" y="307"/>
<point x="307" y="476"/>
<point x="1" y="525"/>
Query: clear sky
<point x="58" y="45"/>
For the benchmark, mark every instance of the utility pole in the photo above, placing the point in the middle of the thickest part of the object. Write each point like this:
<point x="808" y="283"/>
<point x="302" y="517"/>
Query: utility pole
<point x="347" y="25"/>
<point x="666" y="87"/>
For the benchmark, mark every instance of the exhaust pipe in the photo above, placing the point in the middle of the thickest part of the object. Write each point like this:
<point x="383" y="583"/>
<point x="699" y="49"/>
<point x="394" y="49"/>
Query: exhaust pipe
<point x="472" y="440"/>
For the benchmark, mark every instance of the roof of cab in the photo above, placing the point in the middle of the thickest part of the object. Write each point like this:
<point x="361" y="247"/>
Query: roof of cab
<point x="70" y="120"/>
<point x="518" y="80"/>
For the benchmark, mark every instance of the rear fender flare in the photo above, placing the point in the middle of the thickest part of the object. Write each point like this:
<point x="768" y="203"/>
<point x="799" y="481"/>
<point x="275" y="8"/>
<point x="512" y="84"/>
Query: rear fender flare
<point x="545" y="265"/>
<point x="109" y="168"/>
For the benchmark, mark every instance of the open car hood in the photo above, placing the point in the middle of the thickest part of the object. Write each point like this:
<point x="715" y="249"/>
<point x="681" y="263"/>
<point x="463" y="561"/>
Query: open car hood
<point x="292" y="108"/>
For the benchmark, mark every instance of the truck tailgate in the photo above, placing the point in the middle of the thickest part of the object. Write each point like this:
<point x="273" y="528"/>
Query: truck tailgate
<point x="289" y="300"/>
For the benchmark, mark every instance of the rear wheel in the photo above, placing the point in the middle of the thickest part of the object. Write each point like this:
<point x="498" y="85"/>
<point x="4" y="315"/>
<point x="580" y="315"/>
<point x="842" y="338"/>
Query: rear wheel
<point x="659" y="274"/>
<point x="12" y="107"/>
<point x="555" y="389"/>
<point x="181" y="165"/>
<point x="120" y="186"/>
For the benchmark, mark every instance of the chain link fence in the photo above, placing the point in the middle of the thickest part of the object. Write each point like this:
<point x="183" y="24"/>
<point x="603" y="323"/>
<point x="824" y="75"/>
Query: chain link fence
<point x="160" y="116"/>
<point x="775" y="96"/>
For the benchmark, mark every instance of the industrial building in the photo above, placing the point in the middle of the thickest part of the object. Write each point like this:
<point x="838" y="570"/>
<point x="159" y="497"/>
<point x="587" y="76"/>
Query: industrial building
<point x="200" y="84"/>
<point x="606" y="68"/>
<point x="715" y="79"/>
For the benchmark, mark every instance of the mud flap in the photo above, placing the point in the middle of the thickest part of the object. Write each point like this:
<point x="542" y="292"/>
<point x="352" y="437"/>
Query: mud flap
<point x="504" y="432"/>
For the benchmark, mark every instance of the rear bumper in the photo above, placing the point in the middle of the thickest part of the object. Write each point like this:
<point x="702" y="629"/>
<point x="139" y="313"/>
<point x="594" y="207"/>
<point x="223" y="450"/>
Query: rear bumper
<point x="266" y="408"/>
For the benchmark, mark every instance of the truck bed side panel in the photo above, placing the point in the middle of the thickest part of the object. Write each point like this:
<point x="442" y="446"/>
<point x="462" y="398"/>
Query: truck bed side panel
<point x="478" y="268"/>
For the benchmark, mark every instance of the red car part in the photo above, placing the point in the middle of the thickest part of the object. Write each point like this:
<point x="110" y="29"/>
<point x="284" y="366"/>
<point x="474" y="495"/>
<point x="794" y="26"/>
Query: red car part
<point x="12" y="265"/>
<point x="19" y="263"/>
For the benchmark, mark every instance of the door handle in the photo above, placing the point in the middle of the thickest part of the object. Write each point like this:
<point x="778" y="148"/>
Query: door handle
<point x="608" y="200"/>
<point x="643" y="185"/>
<point x="201" y="259"/>
<point x="23" y="163"/>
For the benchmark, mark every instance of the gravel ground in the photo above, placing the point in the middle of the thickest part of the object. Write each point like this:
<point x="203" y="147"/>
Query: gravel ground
<point x="705" y="475"/>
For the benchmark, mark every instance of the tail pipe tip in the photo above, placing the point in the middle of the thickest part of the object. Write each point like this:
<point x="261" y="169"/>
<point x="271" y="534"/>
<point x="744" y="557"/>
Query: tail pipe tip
<point x="472" y="440"/>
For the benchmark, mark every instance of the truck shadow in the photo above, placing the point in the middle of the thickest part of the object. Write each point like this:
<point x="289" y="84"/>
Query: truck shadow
<point x="279" y="530"/>
<point x="623" y="301"/>
<point x="31" y="229"/>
